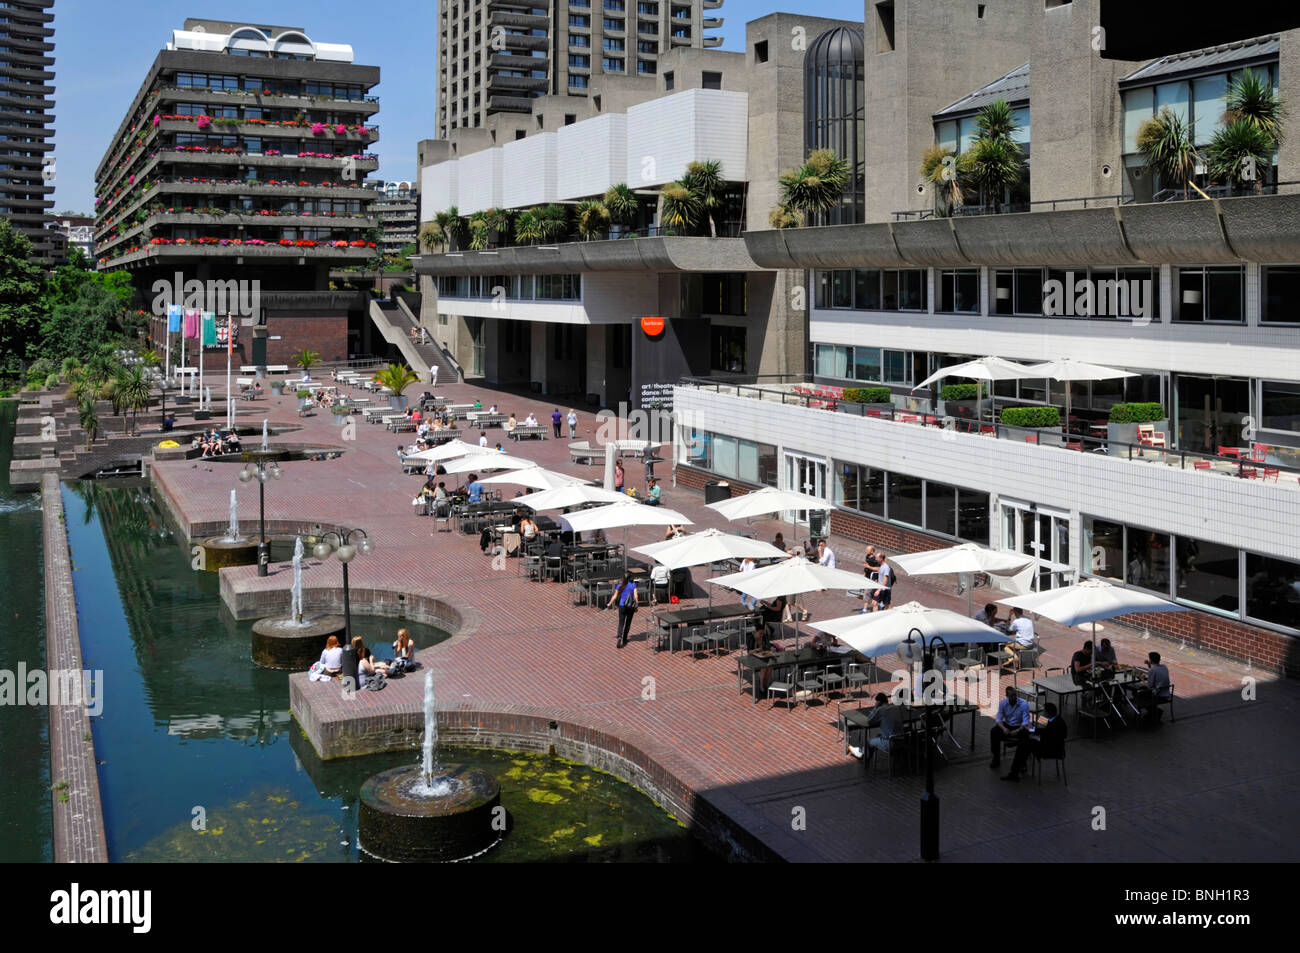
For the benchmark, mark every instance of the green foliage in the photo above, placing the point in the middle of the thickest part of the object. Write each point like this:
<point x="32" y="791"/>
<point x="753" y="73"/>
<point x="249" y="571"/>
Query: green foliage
<point x="88" y="419"/>
<point x="132" y="390"/>
<point x="1240" y="152"/>
<point x="942" y="168"/>
<point x="592" y="218"/>
<point x="396" y="377"/>
<point x="681" y="207"/>
<point x="1141" y="413"/>
<point x="782" y="216"/>
<point x="867" y="395"/>
<point x="305" y="359"/>
<point x="52" y="382"/>
<point x="622" y="204"/>
<point x="1032" y="417"/>
<point x="20" y="290"/>
<point x="1166" y="148"/>
<point x="304" y="394"/>
<point x="994" y="163"/>
<point x="959" y="392"/>
<point x="1252" y="99"/>
<point x="816" y="185"/>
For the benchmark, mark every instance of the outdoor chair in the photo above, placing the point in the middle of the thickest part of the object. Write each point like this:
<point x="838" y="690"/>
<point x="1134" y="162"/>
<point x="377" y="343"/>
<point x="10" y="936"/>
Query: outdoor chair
<point x="697" y="638"/>
<point x="720" y="635"/>
<point x="532" y="566"/>
<point x="855" y="678"/>
<point x="1149" y="436"/>
<point x="785" y="688"/>
<point x="1059" y="758"/>
<point x="442" y="516"/>
<point x="659" y="579"/>
<point x="811" y="683"/>
<point x="553" y="568"/>
<point x="832" y="679"/>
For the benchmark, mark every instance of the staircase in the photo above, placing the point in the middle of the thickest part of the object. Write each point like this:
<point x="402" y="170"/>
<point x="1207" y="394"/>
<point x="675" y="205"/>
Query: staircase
<point x="394" y="321"/>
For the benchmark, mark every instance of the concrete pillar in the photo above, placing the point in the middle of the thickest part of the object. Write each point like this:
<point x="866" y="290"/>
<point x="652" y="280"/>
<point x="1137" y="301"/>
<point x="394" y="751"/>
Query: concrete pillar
<point x="540" y="354"/>
<point x="596" y="337"/>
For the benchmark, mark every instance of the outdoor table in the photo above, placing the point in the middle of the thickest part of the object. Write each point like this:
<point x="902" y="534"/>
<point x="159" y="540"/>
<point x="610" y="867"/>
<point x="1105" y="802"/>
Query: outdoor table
<point x="672" y="622"/>
<point x="592" y="584"/>
<point x="1060" y="685"/>
<point x="750" y="667"/>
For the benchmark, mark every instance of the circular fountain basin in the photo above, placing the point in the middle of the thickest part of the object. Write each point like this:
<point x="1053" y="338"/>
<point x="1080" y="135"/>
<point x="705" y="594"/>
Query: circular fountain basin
<point x="399" y="821"/>
<point x="279" y="642"/>
<point x="220" y="552"/>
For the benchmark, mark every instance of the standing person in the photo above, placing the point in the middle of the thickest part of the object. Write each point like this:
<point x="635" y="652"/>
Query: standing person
<point x="881" y="598"/>
<point x="620" y="476"/>
<point x="748" y="565"/>
<point x="825" y="555"/>
<point x="482" y="439"/>
<point x="625" y="597"/>
<point x="871" y="564"/>
<point x="573" y="424"/>
<point x="556" y="419"/>
<point x="433" y="375"/>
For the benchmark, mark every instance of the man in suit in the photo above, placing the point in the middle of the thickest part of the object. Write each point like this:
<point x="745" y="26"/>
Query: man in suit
<point x="1046" y="742"/>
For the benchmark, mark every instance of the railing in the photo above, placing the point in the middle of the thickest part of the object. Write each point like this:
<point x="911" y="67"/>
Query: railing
<point x="1244" y="467"/>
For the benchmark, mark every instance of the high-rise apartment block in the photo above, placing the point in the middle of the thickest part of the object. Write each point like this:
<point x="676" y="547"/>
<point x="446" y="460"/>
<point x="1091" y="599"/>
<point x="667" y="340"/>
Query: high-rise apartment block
<point x="26" y="84"/>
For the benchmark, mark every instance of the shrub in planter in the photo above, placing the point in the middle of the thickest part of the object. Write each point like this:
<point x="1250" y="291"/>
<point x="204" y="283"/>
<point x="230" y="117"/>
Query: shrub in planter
<point x="1143" y="413"/>
<point x="867" y="395"/>
<point x="959" y="392"/>
<point x="1031" y="417"/>
<point x="304" y="394"/>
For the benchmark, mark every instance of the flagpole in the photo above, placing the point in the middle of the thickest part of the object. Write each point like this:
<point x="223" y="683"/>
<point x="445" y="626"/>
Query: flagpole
<point x="230" y="347"/>
<point x="167" y="349"/>
<point x="201" y="407"/>
<point x="182" y="368"/>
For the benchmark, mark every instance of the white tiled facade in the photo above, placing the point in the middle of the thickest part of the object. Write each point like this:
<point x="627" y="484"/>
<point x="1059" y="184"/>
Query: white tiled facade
<point x="667" y="134"/>
<point x="528" y="170"/>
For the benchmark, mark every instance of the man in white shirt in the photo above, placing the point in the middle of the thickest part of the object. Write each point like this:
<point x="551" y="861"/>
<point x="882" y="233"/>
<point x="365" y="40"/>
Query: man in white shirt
<point x="1021" y="631"/>
<point x="482" y="439"/>
<point x="825" y="555"/>
<point x="530" y="421"/>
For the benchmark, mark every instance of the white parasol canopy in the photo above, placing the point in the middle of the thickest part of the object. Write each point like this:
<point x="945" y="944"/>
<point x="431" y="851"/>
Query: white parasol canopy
<point x="879" y="633"/>
<point x="487" y="461"/>
<point x="983" y="369"/>
<point x="536" y="478"/>
<point x="571" y="495"/>
<point x="1067" y="369"/>
<point x="709" y="546"/>
<point x="768" y="500"/>
<point x="626" y="513"/>
<point x="1090" y="601"/>
<point x="1015" y="570"/>
<point x="447" y="451"/>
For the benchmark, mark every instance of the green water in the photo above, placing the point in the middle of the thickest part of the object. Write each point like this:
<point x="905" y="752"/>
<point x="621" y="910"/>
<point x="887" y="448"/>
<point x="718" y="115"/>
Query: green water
<point x="25" y="798"/>
<point x="200" y="760"/>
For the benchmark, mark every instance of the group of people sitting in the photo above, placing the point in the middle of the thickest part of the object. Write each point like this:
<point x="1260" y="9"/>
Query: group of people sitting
<point x="371" y="672"/>
<point x="511" y="424"/>
<point x="214" y="443"/>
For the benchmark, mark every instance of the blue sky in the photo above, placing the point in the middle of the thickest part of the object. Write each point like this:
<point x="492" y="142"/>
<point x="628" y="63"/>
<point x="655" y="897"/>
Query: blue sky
<point x="103" y="49"/>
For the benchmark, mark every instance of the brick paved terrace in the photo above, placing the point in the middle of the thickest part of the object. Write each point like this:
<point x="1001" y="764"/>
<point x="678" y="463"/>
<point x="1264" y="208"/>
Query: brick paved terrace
<point x="526" y="668"/>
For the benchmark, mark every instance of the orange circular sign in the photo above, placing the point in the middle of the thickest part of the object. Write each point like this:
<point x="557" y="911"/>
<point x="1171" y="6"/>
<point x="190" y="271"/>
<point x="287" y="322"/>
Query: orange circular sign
<point x="653" y="327"/>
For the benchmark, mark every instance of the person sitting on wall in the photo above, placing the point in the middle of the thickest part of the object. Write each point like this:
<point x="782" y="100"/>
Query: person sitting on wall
<point x="652" y="493"/>
<point x="168" y="423"/>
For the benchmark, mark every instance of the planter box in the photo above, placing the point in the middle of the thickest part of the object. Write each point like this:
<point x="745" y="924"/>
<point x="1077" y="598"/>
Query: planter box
<point x="277" y="391"/>
<point x="341" y="420"/>
<point x="962" y="409"/>
<point x="860" y="410"/>
<point x="1047" y="436"/>
<point x="398" y="402"/>
<point x="1127" y="433"/>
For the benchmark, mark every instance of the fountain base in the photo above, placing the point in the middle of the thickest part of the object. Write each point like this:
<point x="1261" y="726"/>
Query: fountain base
<point x="398" y="822"/>
<point x="281" y="644"/>
<point x="219" y="552"/>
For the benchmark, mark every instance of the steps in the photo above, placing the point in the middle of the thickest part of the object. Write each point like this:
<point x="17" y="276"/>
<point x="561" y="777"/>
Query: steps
<point x="394" y="321"/>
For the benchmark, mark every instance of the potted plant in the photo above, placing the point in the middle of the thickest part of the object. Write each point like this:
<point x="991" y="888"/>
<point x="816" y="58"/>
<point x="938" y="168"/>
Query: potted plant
<point x="1020" y="422"/>
<point x="397" y="377"/>
<point x="341" y="415"/>
<point x="1124" y="419"/>
<point x="304" y="400"/>
<point x="959" y="400"/>
<point x="277" y="388"/>
<point x="305" y="359"/>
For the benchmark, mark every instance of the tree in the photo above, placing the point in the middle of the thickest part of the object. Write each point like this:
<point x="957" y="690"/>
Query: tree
<point x="88" y="419"/>
<point x="681" y="207"/>
<point x="527" y="227"/>
<point x="704" y="179"/>
<point x="1167" y="149"/>
<point x="782" y="216"/>
<point x="994" y="163"/>
<point x="305" y="359"/>
<point x="816" y="185"/>
<point x="396" y="377"/>
<point x="943" y="169"/>
<point x="592" y="218"/>
<point x="622" y="204"/>
<point x="1239" y="153"/>
<point x="1251" y="97"/>
<point x="133" y="389"/>
<point x="20" y="291"/>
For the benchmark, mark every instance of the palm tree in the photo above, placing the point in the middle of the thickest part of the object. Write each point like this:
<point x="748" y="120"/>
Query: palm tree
<point x="592" y="218"/>
<point x="527" y="227"/>
<point x="478" y="231"/>
<point x="1251" y="97"/>
<point x="88" y="419"/>
<point x="433" y="237"/>
<point x="396" y="377"/>
<point x="681" y="207"/>
<point x="305" y="359"/>
<point x="816" y="185"/>
<point x="1167" y="149"/>
<point x="498" y="223"/>
<point x="552" y="221"/>
<point x="134" y="390"/>
<point x="941" y="167"/>
<point x="705" y="181"/>
<point x="782" y="216"/>
<point x="622" y="204"/>
<point x="994" y="162"/>
<point x="1239" y="152"/>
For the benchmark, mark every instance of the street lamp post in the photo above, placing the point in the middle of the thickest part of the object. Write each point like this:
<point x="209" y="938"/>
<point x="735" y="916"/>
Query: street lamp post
<point x="343" y="546"/>
<point x="929" y="800"/>
<point x="263" y="469"/>
<point x="162" y="389"/>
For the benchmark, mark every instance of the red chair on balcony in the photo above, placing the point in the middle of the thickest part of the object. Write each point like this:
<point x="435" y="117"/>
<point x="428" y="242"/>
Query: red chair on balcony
<point x="1031" y="438"/>
<point x="988" y="430"/>
<point x="1149" y="436"/>
<point x="873" y="413"/>
<point x="1230" y="452"/>
<point x="1202" y="464"/>
<point x="1074" y="445"/>
<point x="1259" y="452"/>
<point x="1248" y="473"/>
<point x="1272" y="473"/>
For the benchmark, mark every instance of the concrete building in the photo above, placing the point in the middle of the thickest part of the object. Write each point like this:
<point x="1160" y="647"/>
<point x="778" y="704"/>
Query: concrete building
<point x="496" y="56"/>
<point x="69" y="232"/>
<point x="244" y="157"/>
<point x="26" y="84"/>
<point x="894" y="284"/>
<point x="397" y="211"/>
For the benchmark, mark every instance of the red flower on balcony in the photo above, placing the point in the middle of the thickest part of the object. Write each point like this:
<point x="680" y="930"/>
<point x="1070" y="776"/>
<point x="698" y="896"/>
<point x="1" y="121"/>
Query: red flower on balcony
<point x="317" y="129"/>
<point x="340" y="129"/>
<point x="203" y="122"/>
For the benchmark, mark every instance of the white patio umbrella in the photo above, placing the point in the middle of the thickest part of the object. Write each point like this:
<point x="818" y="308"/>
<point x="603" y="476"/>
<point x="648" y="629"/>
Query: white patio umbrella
<point x="1068" y="370"/>
<point x="536" y="478"/>
<point x="1090" y="601"/>
<point x="788" y="578"/>
<point x="879" y="633"/>
<point x="626" y="513"/>
<point x="447" y="451"/>
<point x="765" y="501"/>
<point x="486" y="461"/>
<point x="1015" y="570"/>
<point x="709" y="546"/>
<point x="571" y="495"/>
<point x="982" y="369"/>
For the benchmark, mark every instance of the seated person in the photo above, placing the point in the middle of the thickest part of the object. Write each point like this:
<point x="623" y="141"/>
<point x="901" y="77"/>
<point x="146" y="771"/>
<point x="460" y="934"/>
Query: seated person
<point x="1012" y="722"/>
<point x="511" y="424"/>
<point x="1081" y="664"/>
<point x="168" y="422"/>
<point x="403" y="654"/>
<point x="332" y="657"/>
<point x="492" y="409"/>
<point x="441" y="494"/>
<point x="530" y="420"/>
<point x="1158" y="690"/>
<point x="988" y="615"/>
<point x="779" y="542"/>
<point x="652" y="493"/>
<point x="1105" y="654"/>
<point x="528" y="529"/>
<point x="365" y="664"/>
<point x="889" y="718"/>
<point x="1045" y="742"/>
<point x="500" y="449"/>
<point x="773" y="613"/>
<point x="1022" y="632"/>
<point x="673" y="531"/>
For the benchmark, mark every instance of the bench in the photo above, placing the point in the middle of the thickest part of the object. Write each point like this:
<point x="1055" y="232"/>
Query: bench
<point x="520" y="432"/>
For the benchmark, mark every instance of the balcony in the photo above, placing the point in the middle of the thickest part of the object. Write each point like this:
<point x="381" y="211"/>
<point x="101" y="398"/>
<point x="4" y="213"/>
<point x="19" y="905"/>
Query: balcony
<point x="510" y="61"/>
<point x="515" y="104"/>
<point x="712" y="23"/>
<point x="521" y="21"/>
<point x="662" y="253"/>
<point x="506" y="84"/>
<point x="516" y="41"/>
<point x="158" y="254"/>
<point x="712" y="41"/>
<point x="711" y="4"/>
<point x="190" y="94"/>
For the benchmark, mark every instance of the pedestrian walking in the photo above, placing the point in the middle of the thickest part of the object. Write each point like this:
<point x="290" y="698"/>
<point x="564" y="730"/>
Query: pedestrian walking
<point x="433" y="376"/>
<point x="556" y="417"/>
<point x="573" y="424"/>
<point x="625" y="597"/>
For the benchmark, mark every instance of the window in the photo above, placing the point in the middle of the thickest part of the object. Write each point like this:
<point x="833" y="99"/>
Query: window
<point x="577" y="82"/>
<point x="1207" y="574"/>
<point x="1273" y="590"/>
<point x="860" y="488"/>
<point x="649" y="9"/>
<point x="973" y="516"/>
<point x="904" y="496"/>
<point x="1210" y="294"/>
<point x="649" y="29"/>
<point x="646" y="46"/>
<point x="959" y="291"/>
<point x="570" y="118"/>
<point x="611" y="65"/>
<point x="885" y="27"/>
<point x="727" y="349"/>
<point x="616" y="6"/>
<point x="578" y="39"/>
<point x="1280" y="294"/>
<point x="941" y="508"/>
<point x="866" y="290"/>
<point x="896" y="367"/>
<point x="841" y="290"/>
<point x="711" y="80"/>
<point x="1018" y="291"/>
<point x="760" y="51"/>
<point x="612" y="44"/>
<point x="866" y="364"/>
<point x="832" y="361"/>
<point x="610" y="23"/>
<point x="668" y="80"/>
<point x="580" y="61"/>
<point x="577" y="19"/>
<point x="1279" y="406"/>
